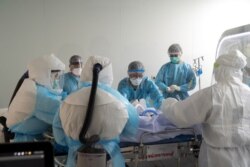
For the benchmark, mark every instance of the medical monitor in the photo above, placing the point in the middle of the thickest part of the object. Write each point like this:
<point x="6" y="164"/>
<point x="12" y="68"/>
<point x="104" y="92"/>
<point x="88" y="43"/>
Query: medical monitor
<point x="38" y="154"/>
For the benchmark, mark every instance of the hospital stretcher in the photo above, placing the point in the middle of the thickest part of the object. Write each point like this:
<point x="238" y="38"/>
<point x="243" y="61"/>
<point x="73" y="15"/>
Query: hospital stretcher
<point x="165" y="143"/>
<point x="182" y="143"/>
<point x="158" y="146"/>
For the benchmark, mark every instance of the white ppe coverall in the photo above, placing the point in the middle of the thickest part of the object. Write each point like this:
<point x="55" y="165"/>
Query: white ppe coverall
<point x="224" y="112"/>
<point x="32" y="110"/>
<point x="112" y="114"/>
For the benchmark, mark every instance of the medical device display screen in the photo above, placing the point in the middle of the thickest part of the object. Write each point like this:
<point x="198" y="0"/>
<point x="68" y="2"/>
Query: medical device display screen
<point x="27" y="154"/>
<point x="23" y="158"/>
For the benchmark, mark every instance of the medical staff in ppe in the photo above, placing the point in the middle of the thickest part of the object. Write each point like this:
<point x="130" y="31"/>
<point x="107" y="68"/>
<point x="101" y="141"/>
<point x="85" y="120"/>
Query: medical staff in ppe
<point x="223" y="109"/>
<point x="112" y="115"/>
<point x="136" y="86"/>
<point x="32" y="110"/>
<point x="71" y="79"/>
<point x="176" y="77"/>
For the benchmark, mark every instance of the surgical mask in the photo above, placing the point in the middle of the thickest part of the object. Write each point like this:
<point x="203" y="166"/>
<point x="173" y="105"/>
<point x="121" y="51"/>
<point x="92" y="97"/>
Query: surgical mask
<point x="77" y="71"/>
<point x="135" y="81"/>
<point x="175" y="60"/>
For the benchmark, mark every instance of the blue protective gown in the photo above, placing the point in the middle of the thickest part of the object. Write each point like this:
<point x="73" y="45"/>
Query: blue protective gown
<point x="147" y="90"/>
<point x="40" y="120"/>
<point x="70" y="82"/>
<point x="111" y="146"/>
<point x="181" y="75"/>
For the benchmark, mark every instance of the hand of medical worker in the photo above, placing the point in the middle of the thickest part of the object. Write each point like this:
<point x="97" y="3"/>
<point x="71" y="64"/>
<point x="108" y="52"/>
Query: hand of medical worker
<point x="168" y="89"/>
<point x="175" y="88"/>
<point x="142" y="102"/>
<point x="135" y="102"/>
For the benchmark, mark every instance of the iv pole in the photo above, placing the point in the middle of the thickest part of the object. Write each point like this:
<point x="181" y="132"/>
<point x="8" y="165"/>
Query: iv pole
<point x="198" y="68"/>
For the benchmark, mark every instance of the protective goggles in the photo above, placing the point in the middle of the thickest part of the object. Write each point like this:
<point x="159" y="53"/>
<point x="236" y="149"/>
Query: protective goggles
<point x="135" y="75"/>
<point x="174" y="54"/>
<point x="76" y="65"/>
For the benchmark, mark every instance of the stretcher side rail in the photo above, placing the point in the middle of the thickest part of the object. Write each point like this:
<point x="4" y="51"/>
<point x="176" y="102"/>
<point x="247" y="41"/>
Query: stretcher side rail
<point x="143" y="136"/>
<point x="136" y="152"/>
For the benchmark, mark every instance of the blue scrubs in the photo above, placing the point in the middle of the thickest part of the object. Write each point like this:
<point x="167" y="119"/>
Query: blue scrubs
<point x="70" y="82"/>
<point x="181" y="75"/>
<point x="147" y="90"/>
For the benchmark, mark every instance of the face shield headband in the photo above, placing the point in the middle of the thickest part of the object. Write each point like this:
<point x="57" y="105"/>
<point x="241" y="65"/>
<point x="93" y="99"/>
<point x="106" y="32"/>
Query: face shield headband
<point x="136" y="71"/>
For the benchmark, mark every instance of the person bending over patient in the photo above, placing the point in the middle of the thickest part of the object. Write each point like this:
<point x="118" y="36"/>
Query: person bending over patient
<point x="137" y="86"/>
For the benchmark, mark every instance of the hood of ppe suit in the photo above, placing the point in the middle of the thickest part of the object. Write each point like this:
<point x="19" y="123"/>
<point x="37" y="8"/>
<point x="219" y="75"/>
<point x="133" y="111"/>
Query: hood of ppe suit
<point x="40" y="68"/>
<point x="105" y="75"/>
<point x="109" y="116"/>
<point x="23" y="104"/>
<point x="228" y="67"/>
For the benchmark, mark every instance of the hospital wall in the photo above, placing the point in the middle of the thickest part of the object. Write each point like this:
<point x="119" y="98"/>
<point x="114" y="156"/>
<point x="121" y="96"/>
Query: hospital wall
<point x="123" y="30"/>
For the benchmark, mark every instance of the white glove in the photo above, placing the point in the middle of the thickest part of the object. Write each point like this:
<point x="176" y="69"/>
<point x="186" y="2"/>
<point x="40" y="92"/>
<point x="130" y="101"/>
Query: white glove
<point x="142" y="102"/>
<point x="175" y="88"/>
<point x="140" y="105"/>
<point x="135" y="102"/>
<point x="168" y="89"/>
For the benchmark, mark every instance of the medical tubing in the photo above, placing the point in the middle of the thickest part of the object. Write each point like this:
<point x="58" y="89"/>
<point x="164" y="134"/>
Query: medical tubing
<point x="88" y="118"/>
<point x="8" y="135"/>
<point x="19" y="84"/>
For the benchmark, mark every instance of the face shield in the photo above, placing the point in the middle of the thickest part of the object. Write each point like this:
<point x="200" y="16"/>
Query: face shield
<point x="135" y="72"/>
<point x="135" y="78"/>
<point x="75" y="65"/>
<point x="41" y="69"/>
<point x="56" y="80"/>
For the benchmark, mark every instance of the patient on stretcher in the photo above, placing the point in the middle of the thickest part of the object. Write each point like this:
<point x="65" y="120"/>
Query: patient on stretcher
<point x="153" y="121"/>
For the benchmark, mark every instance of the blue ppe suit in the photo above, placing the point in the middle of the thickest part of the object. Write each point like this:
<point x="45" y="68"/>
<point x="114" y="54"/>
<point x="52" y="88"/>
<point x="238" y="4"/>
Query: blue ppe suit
<point x="147" y="90"/>
<point x="181" y="75"/>
<point x="111" y="146"/>
<point x="70" y="82"/>
<point x="40" y="120"/>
